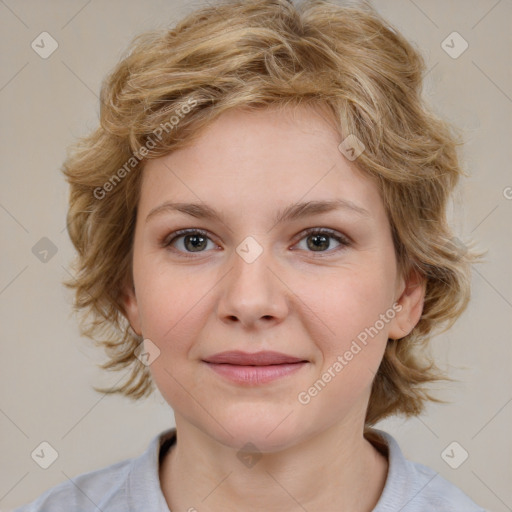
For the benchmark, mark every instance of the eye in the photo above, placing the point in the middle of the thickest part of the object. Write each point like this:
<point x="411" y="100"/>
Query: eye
<point x="317" y="239"/>
<point x="196" y="241"/>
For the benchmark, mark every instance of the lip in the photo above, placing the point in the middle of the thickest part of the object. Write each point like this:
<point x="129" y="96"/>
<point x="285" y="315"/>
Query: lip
<point x="252" y="369"/>
<point x="264" y="358"/>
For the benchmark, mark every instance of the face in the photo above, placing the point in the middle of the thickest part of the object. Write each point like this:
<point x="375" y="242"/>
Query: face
<point x="322" y="287"/>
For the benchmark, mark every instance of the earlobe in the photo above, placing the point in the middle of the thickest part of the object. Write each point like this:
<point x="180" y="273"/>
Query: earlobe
<point x="411" y="301"/>
<point x="131" y="309"/>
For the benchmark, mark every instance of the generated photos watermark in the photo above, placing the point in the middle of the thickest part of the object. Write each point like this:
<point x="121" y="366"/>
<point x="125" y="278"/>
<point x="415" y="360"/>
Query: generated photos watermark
<point x="305" y="397"/>
<point x="101" y="192"/>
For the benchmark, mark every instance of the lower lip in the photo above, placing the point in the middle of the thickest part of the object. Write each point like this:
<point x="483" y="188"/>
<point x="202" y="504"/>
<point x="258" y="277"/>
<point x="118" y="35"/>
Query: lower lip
<point x="255" y="374"/>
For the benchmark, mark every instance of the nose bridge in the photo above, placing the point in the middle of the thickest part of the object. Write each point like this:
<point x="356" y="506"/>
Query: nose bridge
<point x="251" y="262"/>
<point x="252" y="290"/>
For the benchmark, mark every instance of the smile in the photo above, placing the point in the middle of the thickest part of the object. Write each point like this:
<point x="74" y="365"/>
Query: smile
<point x="253" y="375"/>
<point x="254" y="368"/>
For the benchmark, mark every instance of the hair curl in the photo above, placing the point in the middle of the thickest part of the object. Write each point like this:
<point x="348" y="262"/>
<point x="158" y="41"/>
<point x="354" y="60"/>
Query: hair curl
<point x="345" y="59"/>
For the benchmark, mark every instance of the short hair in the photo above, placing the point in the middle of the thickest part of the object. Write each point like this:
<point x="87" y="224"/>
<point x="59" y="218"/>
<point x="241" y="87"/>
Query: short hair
<point x="346" y="60"/>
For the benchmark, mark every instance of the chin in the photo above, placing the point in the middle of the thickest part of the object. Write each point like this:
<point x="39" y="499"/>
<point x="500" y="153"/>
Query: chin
<point x="269" y="433"/>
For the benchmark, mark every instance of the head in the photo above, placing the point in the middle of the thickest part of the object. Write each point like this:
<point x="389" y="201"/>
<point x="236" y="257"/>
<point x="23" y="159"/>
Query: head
<point x="250" y="108"/>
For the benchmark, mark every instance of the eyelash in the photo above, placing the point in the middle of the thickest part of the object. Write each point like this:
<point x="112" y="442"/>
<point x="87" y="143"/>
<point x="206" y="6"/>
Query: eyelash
<point x="343" y="240"/>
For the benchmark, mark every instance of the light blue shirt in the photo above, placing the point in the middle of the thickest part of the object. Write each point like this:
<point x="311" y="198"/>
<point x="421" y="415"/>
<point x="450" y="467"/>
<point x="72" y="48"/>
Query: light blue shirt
<point x="133" y="485"/>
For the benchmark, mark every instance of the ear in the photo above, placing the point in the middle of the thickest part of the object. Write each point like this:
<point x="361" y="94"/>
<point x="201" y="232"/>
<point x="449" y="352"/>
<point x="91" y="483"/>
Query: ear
<point x="411" y="302"/>
<point x="131" y="308"/>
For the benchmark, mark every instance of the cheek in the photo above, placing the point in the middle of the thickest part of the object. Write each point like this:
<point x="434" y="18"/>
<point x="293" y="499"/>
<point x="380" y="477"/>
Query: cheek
<point x="352" y="345"/>
<point x="346" y="305"/>
<point x="173" y="314"/>
<point x="165" y="302"/>
<point x="349" y="334"/>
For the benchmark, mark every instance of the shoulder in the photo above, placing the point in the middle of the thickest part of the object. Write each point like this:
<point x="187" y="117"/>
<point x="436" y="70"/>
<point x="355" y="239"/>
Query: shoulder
<point x="433" y="492"/>
<point x="414" y="487"/>
<point x="86" y="492"/>
<point x="116" y="488"/>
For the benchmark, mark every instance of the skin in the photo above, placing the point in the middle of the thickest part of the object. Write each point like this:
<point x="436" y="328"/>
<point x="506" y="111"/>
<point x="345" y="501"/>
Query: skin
<point x="293" y="299"/>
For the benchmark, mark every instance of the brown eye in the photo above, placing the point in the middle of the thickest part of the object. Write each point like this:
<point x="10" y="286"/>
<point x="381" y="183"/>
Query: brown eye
<point x="193" y="240"/>
<point x="319" y="240"/>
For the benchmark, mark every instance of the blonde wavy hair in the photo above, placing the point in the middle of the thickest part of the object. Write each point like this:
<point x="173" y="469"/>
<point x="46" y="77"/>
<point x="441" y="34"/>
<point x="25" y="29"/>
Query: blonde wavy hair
<point x="345" y="59"/>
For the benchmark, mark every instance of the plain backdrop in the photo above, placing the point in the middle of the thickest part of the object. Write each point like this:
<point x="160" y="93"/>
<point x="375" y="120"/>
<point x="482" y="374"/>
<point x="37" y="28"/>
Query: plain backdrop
<point x="47" y="369"/>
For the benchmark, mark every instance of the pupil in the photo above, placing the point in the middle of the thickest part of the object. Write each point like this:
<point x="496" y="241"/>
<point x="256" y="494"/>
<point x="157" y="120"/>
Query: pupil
<point x="197" y="242"/>
<point x="194" y="239"/>
<point x="322" y="241"/>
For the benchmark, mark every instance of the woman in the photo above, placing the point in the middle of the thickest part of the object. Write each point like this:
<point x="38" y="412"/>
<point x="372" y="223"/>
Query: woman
<point x="260" y="222"/>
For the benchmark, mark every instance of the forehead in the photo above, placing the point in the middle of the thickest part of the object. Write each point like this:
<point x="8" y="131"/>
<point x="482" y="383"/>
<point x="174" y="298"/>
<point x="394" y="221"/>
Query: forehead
<point x="267" y="158"/>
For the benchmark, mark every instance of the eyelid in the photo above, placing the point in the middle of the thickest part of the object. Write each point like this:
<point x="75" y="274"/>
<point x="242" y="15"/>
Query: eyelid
<point x="169" y="238"/>
<point x="344" y="240"/>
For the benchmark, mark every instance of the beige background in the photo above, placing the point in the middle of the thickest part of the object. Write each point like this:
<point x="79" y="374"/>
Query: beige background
<point x="46" y="368"/>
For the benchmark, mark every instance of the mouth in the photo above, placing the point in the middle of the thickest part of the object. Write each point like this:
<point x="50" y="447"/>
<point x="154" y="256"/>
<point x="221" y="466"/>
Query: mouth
<point x="257" y="368"/>
<point x="265" y="358"/>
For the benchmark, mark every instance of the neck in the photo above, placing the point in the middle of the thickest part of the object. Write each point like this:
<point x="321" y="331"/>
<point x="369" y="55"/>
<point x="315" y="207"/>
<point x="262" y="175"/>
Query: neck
<point x="333" y="470"/>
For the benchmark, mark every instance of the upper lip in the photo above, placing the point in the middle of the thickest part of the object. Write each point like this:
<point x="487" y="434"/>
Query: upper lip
<point x="263" y="358"/>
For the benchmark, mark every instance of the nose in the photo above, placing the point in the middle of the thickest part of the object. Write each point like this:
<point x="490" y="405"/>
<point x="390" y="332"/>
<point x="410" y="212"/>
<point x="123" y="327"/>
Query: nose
<point x="252" y="292"/>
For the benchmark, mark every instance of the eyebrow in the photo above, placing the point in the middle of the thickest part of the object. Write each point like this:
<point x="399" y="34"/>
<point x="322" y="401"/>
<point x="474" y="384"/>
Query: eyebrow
<point x="292" y="212"/>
